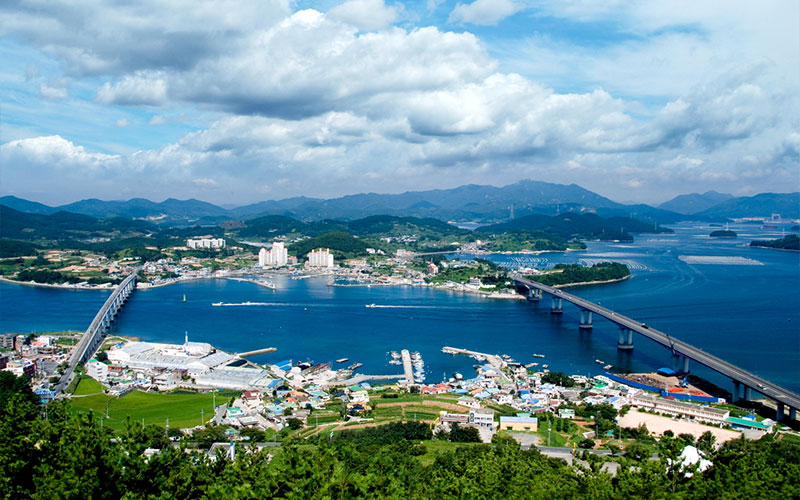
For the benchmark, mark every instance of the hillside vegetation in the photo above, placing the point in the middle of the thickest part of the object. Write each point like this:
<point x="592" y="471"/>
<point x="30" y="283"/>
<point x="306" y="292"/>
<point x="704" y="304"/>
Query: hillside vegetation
<point x="74" y="456"/>
<point x="788" y="242"/>
<point x="567" y="274"/>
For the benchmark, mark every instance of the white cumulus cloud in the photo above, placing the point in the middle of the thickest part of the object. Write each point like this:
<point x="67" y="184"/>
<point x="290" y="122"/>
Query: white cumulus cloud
<point x="484" y="12"/>
<point x="366" y="15"/>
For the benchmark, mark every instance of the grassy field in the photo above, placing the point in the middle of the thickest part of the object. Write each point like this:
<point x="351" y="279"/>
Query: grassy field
<point x="181" y="408"/>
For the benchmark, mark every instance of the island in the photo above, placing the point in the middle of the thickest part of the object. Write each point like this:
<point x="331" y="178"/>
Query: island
<point x="563" y="275"/>
<point x="789" y="242"/>
<point x="723" y="233"/>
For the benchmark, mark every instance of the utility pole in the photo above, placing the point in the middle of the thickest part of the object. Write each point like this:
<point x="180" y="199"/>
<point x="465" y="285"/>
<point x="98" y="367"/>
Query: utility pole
<point x="549" y="426"/>
<point x="202" y="418"/>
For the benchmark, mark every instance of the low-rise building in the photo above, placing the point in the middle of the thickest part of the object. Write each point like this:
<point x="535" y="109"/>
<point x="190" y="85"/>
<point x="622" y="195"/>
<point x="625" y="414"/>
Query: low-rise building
<point x="97" y="370"/>
<point x="525" y="424"/>
<point x="708" y="414"/>
<point x="481" y="417"/>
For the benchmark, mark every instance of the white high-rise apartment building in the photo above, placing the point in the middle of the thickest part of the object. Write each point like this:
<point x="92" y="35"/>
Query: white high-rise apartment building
<point x="278" y="256"/>
<point x="206" y="243"/>
<point x="320" y="258"/>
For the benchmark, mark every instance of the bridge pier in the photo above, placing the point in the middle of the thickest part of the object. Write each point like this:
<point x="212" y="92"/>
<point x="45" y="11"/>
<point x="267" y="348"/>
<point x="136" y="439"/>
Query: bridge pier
<point x="792" y="414"/>
<point x="625" y="339"/>
<point x="555" y="306"/>
<point x="748" y="393"/>
<point x="533" y="295"/>
<point x="736" y="391"/>
<point x="779" y="414"/>
<point x="586" y="320"/>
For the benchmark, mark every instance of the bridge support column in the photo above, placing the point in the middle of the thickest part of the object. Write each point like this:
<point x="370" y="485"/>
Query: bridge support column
<point x="736" y="392"/>
<point x="748" y="393"/>
<point x="625" y="339"/>
<point x="779" y="413"/>
<point x="555" y="306"/>
<point x="685" y="365"/>
<point x="532" y="295"/>
<point x="792" y="414"/>
<point x="586" y="320"/>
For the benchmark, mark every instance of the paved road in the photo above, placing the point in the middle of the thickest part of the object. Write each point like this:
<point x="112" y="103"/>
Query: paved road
<point x="763" y="386"/>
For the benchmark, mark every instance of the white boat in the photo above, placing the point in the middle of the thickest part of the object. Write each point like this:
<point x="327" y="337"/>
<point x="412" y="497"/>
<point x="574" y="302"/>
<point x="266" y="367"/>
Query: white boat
<point x="538" y="355"/>
<point x="607" y="367"/>
<point x="395" y="362"/>
<point x="216" y="304"/>
<point x="599" y="361"/>
<point x="395" y="355"/>
<point x="370" y="305"/>
<point x="458" y="376"/>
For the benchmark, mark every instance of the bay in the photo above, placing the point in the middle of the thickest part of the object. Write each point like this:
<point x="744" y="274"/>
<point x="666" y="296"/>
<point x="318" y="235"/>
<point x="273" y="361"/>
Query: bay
<point x="737" y="302"/>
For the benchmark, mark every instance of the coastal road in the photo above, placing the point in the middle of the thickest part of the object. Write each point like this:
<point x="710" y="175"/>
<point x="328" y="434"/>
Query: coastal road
<point x="678" y="347"/>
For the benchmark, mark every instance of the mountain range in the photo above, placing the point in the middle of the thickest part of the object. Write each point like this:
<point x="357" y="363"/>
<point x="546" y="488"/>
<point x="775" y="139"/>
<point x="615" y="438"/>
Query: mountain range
<point x="473" y="203"/>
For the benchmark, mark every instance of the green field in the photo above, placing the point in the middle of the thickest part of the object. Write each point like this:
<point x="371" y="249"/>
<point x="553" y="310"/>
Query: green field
<point x="181" y="408"/>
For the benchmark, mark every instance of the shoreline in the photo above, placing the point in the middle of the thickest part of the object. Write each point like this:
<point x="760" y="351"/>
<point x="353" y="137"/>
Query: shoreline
<point x="615" y="280"/>
<point x="64" y="286"/>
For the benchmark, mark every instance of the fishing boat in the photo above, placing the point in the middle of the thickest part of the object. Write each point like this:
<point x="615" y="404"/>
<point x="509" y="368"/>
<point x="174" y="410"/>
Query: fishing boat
<point x="184" y="297"/>
<point x="607" y="367"/>
<point x="538" y="355"/>
<point x="355" y="365"/>
<point x="342" y="360"/>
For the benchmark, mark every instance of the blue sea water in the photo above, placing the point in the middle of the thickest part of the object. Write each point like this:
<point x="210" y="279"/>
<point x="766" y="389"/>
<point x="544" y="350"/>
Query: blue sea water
<point x="744" y="307"/>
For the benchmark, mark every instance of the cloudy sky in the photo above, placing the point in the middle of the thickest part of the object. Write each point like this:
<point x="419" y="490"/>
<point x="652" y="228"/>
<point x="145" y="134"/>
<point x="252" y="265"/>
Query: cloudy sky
<point x="240" y="101"/>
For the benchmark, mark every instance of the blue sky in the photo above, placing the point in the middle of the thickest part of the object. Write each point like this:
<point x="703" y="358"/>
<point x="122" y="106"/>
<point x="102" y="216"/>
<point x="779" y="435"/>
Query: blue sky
<point x="240" y="101"/>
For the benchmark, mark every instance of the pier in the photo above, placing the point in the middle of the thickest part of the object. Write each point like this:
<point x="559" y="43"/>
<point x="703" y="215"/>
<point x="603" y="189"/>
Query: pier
<point x="493" y="359"/>
<point x="99" y="327"/>
<point x="408" y="370"/>
<point x="256" y="352"/>
<point x="681" y="351"/>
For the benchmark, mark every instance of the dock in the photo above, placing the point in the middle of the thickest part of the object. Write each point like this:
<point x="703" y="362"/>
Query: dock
<point x="408" y="370"/>
<point x="493" y="359"/>
<point x="357" y="379"/>
<point x="256" y="352"/>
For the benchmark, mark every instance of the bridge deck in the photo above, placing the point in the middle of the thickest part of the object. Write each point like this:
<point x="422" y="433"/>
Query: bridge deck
<point x="763" y="386"/>
<point x="86" y="341"/>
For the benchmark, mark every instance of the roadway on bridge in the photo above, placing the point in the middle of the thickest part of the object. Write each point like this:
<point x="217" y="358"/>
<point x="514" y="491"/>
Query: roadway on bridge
<point x="85" y="343"/>
<point x="763" y="386"/>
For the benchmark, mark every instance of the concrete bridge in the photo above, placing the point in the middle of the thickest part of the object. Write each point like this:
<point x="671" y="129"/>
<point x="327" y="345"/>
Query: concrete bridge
<point x="681" y="351"/>
<point x="96" y="333"/>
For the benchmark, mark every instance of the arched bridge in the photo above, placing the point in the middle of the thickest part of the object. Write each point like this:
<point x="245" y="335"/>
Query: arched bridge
<point x="681" y="351"/>
<point x="98" y="329"/>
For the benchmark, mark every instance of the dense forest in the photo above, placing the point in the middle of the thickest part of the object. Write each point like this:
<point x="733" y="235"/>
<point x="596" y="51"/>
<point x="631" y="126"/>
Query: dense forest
<point x="66" y="457"/>
<point x="789" y="242"/>
<point x="566" y="274"/>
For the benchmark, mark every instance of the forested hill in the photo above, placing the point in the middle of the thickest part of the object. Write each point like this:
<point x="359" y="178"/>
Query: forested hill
<point x="342" y="245"/>
<point x="788" y="242"/>
<point x="574" y="225"/>
<point x="64" y="225"/>
<point x="387" y="225"/>
<point x="68" y="455"/>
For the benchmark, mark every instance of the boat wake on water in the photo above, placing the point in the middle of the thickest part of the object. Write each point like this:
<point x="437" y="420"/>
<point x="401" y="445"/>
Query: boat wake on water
<point x="389" y="306"/>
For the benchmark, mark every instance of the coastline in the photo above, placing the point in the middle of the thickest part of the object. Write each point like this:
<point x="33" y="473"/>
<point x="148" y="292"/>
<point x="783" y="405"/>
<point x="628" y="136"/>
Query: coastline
<point x="615" y="280"/>
<point x="66" y="286"/>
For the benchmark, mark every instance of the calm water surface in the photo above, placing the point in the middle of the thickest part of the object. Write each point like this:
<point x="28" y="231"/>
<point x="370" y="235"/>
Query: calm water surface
<point x="744" y="307"/>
